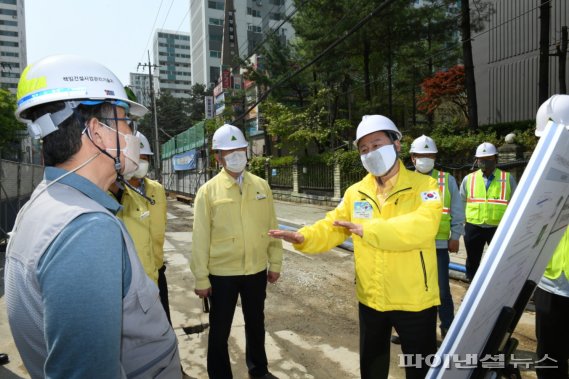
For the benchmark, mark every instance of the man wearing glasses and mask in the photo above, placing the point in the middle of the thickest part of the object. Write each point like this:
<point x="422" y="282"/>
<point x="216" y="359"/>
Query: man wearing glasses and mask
<point x="393" y="216"/>
<point x="79" y="303"/>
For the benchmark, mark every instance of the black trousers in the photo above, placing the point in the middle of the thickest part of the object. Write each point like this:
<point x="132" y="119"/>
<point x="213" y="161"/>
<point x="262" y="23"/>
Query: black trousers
<point x="475" y="238"/>
<point x="225" y="289"/>
<point x="552" y="332"/>
<point x="163" y="288"/>
<point x="417" y="332"/>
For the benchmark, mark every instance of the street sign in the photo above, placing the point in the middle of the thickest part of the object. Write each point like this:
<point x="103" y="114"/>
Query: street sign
<point x="531" y="228"/>
<point x="209" y="108"/>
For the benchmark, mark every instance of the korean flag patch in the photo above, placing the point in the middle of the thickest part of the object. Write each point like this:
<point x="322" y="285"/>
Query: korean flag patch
<point x="431" y="195"/>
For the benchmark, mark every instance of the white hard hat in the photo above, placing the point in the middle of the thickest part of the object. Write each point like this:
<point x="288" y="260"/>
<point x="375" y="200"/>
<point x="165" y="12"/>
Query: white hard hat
<point x="228" y="137"/>
<point x="375" y="123"/>
<point x="555" y="108"/>
<point x="424" y="145"/>
<point x="70" y="78"/>
<point x="510" y="138"/>
<point x="486" y="149"/>
<point x="144" y="144"/>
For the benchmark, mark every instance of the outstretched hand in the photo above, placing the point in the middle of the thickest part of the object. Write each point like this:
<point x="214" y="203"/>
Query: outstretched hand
<point x="287" y="235"/>
<point x="357" y="229"/>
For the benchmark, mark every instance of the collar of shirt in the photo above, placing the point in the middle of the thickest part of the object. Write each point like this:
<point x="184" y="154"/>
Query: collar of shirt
<point x="83" y="185"/>
<point x="488" y="180"/>
<point x="384" y="191"/>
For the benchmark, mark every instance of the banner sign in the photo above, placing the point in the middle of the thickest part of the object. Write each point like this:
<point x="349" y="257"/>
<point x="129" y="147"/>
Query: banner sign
<point x="185" y="161"/>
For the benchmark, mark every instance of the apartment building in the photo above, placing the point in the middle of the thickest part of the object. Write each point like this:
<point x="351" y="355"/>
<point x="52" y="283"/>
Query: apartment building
<point x="506" y="58"/>
<point x="253" y="20"/>
<point x="172" y="55"/>
<point x="13" y="58"/>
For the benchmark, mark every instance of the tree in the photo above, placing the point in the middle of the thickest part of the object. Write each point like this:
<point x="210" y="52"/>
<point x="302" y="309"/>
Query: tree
<point x="196" y="102"/>
<point x="9" y="125"/>
<point x="444" y="87"/>
<point x="173" y="117"/>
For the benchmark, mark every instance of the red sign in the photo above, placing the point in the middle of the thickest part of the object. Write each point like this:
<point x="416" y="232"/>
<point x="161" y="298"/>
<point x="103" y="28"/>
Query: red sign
<point x="226" y="78"/>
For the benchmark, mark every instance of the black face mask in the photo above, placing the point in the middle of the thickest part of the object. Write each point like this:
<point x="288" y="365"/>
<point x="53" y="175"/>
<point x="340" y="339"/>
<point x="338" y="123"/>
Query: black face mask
<point x="486" y="165"/>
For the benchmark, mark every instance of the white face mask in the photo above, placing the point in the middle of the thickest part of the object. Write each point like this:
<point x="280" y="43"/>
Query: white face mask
<point x="236" y="161"/>
<point x="142" y="169"/>
<point x="131" y="152"/>
<point x="424" y="165"/>
<point x="379" y="161"/>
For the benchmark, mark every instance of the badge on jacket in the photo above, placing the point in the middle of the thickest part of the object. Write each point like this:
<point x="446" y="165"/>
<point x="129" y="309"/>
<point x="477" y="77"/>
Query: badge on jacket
<point x="260" y="196"/>
<point x="430" y="195"/>
<point x="362" y="209"/>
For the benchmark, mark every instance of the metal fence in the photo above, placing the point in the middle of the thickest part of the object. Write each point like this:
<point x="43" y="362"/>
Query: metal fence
<point x="17" y="182"/>
<point x="281" y="177"/>
<point x="316" y="178"/>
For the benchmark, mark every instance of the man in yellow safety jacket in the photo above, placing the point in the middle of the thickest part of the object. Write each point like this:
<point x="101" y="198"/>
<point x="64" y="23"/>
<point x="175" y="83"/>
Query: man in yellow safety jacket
<point x="393" y="216"/>
<point x="486" y="194"/>
<point x="232" y="256"/>
<point x="144" y="215"/>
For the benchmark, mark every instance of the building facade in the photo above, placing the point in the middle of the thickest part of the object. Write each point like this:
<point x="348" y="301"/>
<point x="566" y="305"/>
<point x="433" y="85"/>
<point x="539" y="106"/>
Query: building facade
<point x="253" y="20"/>
<point x="13" y="58"/>
<point x="172" y="56"/>
<point x="140" y="85"/>
<point x="506" y="58"/>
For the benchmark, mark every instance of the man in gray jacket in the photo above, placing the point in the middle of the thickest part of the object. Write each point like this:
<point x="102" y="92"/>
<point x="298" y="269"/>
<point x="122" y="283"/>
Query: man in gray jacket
<point x="79" y="303"/>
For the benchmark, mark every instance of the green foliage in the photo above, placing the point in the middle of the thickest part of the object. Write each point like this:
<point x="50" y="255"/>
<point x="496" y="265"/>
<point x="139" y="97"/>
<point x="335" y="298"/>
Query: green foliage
<point x="9" y="125"/>
<point x="281" y="161"/>
<point x="257" y="166"/>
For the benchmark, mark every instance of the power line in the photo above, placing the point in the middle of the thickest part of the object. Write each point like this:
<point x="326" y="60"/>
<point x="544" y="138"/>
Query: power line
<point x="167" y="13"/>
<point x="360" y="23"/>
<point x="152" y="30"/>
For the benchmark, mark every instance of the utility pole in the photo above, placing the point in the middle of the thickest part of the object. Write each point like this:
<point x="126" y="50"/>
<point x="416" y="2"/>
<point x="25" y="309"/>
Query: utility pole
<point x="157" y="160"/>
<point x="561" y="52"/>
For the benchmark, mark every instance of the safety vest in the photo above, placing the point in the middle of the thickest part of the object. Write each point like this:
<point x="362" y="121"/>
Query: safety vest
<point x="487" y="206"/>
<point x="444" y="227"/>
<point x="560" y="260"/>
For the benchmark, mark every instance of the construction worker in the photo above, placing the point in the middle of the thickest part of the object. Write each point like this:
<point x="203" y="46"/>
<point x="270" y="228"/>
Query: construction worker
<point x="423" y="154"/>
<point x="144" y="215"/>
<point x="551" y="297"/>
<point x="78" y="300"/>
<point x="232" y="255"/>
<point x="485" y="193"/>
<point x="393" y="215"/>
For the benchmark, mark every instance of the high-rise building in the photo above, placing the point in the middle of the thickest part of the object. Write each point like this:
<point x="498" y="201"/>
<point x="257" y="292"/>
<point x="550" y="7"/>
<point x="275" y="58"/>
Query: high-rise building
<point x="140" y="85"/>
<point x="253" y="20"/>
<point x="172" y="55"/>
<point x="13" y="57"/>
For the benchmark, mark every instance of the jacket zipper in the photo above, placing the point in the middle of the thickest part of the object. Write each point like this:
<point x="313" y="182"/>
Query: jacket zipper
<point x="424" y="271"/>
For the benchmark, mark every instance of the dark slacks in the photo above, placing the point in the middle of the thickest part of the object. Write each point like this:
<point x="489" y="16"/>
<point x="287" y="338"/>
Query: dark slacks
<point x="446" y="309"/>
<point x="475" y="238"/>
<point x="417" y="331"/>
<point x="163" y="288"/>
<point x="552" y="332"/>
<point x="225" y="290"/>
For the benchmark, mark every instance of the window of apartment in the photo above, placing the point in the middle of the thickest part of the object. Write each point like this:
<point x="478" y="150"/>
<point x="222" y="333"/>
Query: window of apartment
<point x="9" y="12"/>
<point x="277" y="2"/>
<point x="7" y="43"/>
<point x="216" y="21"/>
<point x="8" y="33"/>
<point x="253" y="12"/>
<point x="10" y="54"/>
<point x="215" y="4"/>
<point x="275" y="16"/>
<point x="11" y="2"/>
<point x="254" y="28"/>
<point x="9" y="23"/>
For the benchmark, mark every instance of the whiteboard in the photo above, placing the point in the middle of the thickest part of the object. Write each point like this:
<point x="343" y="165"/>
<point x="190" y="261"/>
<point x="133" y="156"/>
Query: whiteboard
<point x="531" y="228"/>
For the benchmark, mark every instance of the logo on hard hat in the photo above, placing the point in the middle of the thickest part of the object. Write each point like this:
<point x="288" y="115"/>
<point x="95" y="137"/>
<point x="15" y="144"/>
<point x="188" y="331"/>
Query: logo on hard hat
<point x="233" y="138"/>
<point x="426" y="146"/>
<point x="109" y="92"/>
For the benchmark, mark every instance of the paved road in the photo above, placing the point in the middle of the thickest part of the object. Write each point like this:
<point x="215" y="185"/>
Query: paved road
<point x="298" y="344"/>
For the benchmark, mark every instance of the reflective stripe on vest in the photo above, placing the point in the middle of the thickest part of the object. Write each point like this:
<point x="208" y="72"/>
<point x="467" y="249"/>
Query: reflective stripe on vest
<point x="444" y="226"/>
<point x="487" y="206"/>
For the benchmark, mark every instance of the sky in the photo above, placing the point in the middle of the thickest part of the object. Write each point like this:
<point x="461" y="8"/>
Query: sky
<point x="116" y="33"/>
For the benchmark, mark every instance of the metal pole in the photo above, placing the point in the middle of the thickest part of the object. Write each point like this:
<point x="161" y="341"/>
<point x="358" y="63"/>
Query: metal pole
<point x="157" y="160"/>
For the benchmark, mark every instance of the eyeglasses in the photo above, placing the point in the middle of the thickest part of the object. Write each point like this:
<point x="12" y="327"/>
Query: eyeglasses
<point x="133" y="125"/>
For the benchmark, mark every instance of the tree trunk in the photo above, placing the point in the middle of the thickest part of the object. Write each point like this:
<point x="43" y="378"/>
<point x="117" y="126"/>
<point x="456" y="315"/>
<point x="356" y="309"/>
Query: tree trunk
<point x="367" y="52"/>
<point x="543" y="51"/>
<point x="468" y="66"/>
<point x="389" y="73"/>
